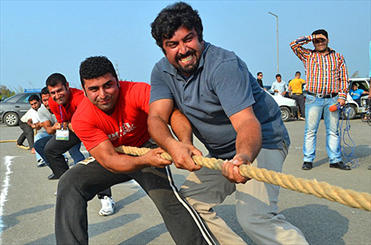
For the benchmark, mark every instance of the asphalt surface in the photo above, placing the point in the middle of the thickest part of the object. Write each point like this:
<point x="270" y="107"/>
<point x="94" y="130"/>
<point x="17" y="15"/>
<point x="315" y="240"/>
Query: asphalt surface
<point x="27" y="200"/>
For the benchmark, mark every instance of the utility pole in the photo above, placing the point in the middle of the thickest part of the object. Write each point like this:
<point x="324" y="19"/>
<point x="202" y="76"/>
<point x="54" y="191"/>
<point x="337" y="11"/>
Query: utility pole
<point x="278" y="60"/>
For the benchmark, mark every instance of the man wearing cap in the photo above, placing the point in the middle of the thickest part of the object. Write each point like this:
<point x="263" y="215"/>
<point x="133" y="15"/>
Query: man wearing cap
<point x="327" y="84"/>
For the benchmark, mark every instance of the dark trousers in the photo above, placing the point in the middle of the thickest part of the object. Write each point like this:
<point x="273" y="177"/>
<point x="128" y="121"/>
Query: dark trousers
<point x="54" y="150"/>
<point x="27" y="133"/>
<point x="74" y="151"/>
<point x="82" y="182"/>
<point x="300" y="102"/>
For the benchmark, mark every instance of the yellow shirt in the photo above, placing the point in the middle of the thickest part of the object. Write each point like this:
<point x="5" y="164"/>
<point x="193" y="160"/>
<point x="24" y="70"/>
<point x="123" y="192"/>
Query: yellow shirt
<point x="296" y="85"/>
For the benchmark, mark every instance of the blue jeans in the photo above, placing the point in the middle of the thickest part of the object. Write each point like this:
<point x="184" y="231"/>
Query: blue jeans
<point x="314" y="108"/>
<point x="39" y="135"/>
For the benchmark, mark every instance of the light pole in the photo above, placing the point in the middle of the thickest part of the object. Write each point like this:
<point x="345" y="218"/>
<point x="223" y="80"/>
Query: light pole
<point x="278" y="60"/>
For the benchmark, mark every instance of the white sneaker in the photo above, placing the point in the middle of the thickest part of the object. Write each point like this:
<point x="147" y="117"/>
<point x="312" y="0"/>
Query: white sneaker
<point x="41" y="163"/>
<point x="108" y="206"/>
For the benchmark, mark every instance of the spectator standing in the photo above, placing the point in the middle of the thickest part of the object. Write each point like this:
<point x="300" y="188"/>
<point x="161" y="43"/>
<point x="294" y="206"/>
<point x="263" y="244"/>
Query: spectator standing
<point x="279" y="87"/>
<point x="327" y="84"/>
<point x="231" y="115"/>
<point x="296" y="88"/>
<point x="259" y="79"/>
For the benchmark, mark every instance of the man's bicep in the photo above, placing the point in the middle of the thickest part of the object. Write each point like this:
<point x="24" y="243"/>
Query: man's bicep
<point x="102" y="152"/>
<point x="241" y="117"/>
<point x="161" y="108"/>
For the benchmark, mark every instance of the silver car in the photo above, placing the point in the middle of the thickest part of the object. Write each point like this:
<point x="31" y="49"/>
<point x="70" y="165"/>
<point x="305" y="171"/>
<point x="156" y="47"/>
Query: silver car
<point x="13" y="108"/>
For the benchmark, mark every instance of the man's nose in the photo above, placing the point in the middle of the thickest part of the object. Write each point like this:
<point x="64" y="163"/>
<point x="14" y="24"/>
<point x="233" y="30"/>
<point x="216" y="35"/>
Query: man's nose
<point x="102" y="93"/>
<point x="183" y="48"/>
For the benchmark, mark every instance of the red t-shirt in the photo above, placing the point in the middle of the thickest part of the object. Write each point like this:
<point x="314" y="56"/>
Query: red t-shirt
<point x="126" y="126"/>
<point x="64" y="113"/>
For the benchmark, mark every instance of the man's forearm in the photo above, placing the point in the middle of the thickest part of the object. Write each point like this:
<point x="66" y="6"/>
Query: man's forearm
<point x="181" y="127"/>
<point x="249" y="139"/>
<point x="297" y="46"/>
<point x="160" y="132"/>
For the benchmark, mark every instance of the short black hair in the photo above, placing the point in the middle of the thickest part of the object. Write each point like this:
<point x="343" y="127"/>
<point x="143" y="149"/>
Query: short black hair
<point x="298" y="72"/>
<point x="278" y="75"/>
<point x="96" y="66"/>
<point x="320" y="31"/>
<point x="259" y="73"/>
<point x="171" y="18"/>
<point x="33" y="97"/>
<point x="44" y="90"/>
<point x="55" y="79"/>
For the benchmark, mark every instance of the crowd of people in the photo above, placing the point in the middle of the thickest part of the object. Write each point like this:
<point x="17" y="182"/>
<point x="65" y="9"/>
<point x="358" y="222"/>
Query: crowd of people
<point x="191" y="88"/>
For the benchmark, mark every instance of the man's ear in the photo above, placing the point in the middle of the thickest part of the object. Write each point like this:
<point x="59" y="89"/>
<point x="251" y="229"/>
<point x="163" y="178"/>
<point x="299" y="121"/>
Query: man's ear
<point x="83" y="89"/>
<point x="67" y="85"/>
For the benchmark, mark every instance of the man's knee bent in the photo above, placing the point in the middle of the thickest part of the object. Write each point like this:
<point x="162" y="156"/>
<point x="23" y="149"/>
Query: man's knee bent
<point x="68" y="182"/>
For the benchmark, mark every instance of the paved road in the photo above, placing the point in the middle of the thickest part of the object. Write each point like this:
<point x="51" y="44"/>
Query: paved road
<point x="27" y="199"/>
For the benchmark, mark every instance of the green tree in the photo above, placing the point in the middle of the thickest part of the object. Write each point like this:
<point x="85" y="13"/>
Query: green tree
<point x="5" y="92"/>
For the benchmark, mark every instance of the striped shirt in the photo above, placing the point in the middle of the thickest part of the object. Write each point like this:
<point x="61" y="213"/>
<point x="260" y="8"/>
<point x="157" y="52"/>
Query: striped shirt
<point x="326" y="74"/>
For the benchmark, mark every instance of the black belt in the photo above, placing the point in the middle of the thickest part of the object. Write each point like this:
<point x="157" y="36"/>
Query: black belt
<point x="323" y="95"/>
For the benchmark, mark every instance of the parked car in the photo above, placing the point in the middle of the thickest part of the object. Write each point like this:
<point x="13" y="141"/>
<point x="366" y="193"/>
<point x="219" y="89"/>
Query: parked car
<point x="351" y="108"/>
<point x="288" y="106"/>
<point x="13" y="108"/>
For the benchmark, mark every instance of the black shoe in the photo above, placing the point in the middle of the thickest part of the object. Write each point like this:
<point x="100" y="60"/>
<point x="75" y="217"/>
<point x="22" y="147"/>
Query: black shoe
<point x="307" y="166"/>
<point x="340" y="165"/>
<point x="52" y="176"/>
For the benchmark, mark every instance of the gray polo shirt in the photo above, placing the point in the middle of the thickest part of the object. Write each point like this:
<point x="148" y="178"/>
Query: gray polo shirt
<point x="221" y="87"/>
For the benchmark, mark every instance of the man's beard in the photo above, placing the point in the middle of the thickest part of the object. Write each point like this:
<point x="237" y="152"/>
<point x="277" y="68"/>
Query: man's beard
<point x="190" y="68"/>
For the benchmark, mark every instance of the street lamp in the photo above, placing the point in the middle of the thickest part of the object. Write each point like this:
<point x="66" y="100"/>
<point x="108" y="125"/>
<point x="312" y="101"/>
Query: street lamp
<point x="278" y="61"/>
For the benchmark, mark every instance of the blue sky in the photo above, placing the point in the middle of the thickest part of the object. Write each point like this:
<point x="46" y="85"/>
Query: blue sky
<point x="39" y="38"/>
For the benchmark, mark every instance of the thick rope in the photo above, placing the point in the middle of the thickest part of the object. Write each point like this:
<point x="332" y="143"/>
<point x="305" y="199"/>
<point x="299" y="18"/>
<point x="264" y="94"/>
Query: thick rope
<point x="7" y="141"/>
<point x="351" y="198"/>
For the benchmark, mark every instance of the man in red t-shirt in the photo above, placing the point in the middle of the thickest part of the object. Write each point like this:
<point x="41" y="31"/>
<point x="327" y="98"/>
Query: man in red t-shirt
<point x="63" y="103"/>
<point x="113" y="114"/>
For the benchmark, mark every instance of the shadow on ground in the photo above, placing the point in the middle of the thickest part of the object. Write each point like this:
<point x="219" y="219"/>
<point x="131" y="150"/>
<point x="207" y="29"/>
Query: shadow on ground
<point x="319" y="224"/>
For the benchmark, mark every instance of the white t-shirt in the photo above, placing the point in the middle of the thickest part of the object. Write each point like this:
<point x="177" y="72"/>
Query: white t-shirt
<point x="25" y="117"/>
<point x="34" y="116"/>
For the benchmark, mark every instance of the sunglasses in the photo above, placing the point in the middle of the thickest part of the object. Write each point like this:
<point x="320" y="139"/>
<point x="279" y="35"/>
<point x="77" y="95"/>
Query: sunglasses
<point x="319" y="40"/>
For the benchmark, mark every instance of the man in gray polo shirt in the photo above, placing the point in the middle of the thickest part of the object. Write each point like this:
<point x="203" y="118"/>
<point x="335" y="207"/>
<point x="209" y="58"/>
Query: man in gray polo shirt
<point x="231" y="115"/>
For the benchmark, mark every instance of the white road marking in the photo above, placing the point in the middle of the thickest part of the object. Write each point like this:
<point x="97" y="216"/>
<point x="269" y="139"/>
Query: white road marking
<point x="4" y="189"/>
